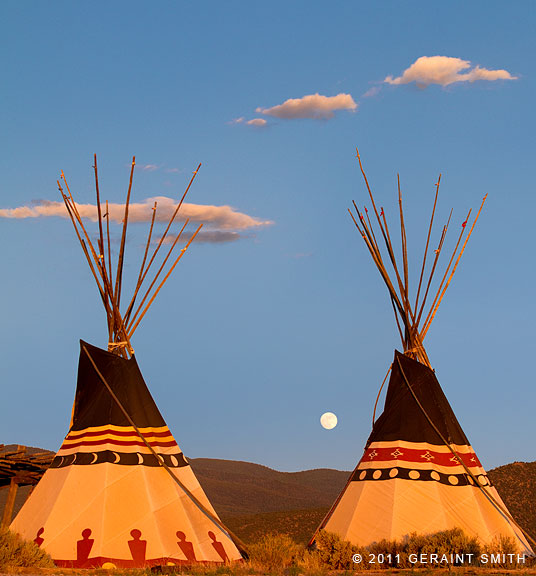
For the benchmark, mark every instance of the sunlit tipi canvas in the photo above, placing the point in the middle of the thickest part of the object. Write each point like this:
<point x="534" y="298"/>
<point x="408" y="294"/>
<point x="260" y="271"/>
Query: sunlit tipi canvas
<point x="409" y="480"/>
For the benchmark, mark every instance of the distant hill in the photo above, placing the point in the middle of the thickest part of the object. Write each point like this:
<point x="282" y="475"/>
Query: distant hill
<point x="241" y="488"/>
<point x="254" y="499"/>
<point x="29" y="449"/>
<point x="516" y="483"/>
<point x="299" y="524"/>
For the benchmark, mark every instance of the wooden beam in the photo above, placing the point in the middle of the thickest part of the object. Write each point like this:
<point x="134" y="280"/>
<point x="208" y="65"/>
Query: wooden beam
<point x="10" y="503"/>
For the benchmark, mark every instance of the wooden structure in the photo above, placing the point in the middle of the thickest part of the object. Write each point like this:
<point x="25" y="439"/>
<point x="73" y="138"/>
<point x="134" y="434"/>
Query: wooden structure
<point x="19" y="468"/>
<point x="121" y="325"/>
<point x="413" y="317"/>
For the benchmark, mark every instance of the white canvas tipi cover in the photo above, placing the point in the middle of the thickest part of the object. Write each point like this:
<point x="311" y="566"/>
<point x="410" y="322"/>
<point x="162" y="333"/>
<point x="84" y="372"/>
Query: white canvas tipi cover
<point x="106" y="497"/>
<point x="418" y="472"/>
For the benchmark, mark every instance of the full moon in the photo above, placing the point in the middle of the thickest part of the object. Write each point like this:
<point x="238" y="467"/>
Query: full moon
<point x="328" y="420"/>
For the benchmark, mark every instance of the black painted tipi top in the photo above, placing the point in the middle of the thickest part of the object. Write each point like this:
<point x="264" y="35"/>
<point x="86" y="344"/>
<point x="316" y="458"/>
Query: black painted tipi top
<point x="403" y="418"/>
<point x="95" y="406"/>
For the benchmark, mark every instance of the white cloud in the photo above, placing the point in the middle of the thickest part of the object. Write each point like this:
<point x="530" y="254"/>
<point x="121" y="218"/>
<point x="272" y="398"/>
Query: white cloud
<point x="259" y="122"/>
<point x="372" y="92"/>
<point x="148" y="167"/>
<point x="444" y="70"/>
<point x="221" y="223"/>
<point x="313" y="106"/>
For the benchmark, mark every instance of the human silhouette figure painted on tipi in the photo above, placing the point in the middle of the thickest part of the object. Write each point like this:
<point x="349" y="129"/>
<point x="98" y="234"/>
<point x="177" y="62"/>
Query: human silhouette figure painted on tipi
<point x="218" y="546"/>
<point x="137" y="547"/>
<point x="83" y="547"/>
<point x="186" y="547"/>
<point x="38" y="540"/>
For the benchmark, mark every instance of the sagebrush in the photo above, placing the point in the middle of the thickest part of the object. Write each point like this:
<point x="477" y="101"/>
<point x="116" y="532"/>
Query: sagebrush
<point x="274" y="551"/>
<point x="454" y="546"/>
<point x="14" y="551"/>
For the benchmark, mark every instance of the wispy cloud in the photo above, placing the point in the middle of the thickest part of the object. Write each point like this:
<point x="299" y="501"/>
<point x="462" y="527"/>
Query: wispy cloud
<point x="314" y="106"/>
<point x="444" y="70"/>
<point x="155" y="167"/>
<point x="207" y="236"/>
<point x="221" y="223"/>
<point x="258" y="122"/>
<point x="371" y="92"/>
<point x="147" y="167"/>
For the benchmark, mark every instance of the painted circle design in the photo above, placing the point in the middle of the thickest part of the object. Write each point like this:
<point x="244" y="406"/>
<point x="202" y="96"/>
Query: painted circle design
<point x="435" y="476"/>
<point x="483" y="480"/>
<point x="362" y="475"/>
<point x="174" y="461"/>
<point x="377" y="474"/>
<point x="453" y="480"/>
<point x="414" y="474"/>
<point x="470" y="480"/>
<point x="393" y="473"/>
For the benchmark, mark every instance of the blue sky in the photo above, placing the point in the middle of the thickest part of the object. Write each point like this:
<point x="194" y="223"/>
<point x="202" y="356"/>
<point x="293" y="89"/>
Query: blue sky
<point x="253" y="339"/>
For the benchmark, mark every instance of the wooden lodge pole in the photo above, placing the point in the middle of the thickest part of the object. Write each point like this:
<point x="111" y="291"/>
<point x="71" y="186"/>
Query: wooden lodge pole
<point x="10" y="503"/>
<point x="11" y="495"/>
<point x="120" y="328"/>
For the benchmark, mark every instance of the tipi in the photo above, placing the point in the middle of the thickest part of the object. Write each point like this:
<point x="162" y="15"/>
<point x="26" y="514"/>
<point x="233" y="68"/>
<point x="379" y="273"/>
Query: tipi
<point x="418" y="472"/>
<point x="120" y="490"/>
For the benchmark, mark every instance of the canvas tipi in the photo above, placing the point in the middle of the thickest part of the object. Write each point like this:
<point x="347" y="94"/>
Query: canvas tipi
<point x="119" y="490"/>
<point x="419" y="473"/>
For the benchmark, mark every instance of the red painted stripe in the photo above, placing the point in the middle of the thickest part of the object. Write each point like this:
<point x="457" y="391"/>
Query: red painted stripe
<point x="418" y="455"/>
<point x="66" y="444"/>
<point x="129" y="432"/>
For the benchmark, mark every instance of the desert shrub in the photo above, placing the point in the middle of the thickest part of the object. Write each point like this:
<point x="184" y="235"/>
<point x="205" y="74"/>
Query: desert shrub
<point x="14" y="551"/>
<point x="501" y="545"/>
<point x="226" y="569"/>
<point x="309" y="563"/>
<point x="274" y="551"/>
<point x="499" y="549"/>
<point x="449" y="542"/>
<point x="335" y="552"/>
<point x="387" y="550"/>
